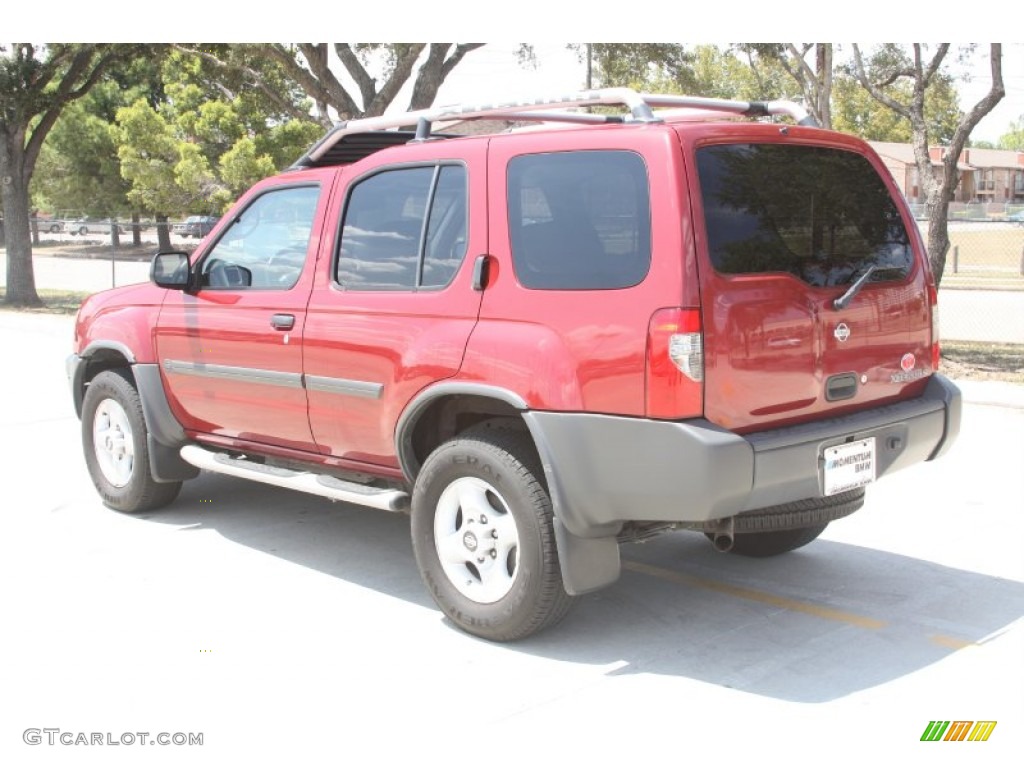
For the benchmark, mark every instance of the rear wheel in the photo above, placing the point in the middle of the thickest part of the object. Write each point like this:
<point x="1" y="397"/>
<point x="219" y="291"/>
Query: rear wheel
<point x="115" y="445"/>
<point x="483" y="539"/>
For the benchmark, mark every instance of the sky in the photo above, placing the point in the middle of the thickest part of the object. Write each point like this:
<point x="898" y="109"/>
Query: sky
<point x="494" y="71"/>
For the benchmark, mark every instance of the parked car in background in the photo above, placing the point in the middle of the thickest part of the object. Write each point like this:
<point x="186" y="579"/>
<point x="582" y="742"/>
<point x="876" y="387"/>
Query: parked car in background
<point x="196" y="226"/>
<point x="49" y="224"/>
<point x="91" y="226"/>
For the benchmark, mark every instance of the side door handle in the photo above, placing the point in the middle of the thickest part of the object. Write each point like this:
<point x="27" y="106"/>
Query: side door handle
<point x="283" y="322"/>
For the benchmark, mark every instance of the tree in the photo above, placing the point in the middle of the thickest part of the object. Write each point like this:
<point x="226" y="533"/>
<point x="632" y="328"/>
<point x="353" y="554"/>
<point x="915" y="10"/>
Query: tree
<point x="855" y="111"/>
<point x="643" y="66"/>
<point x="891" y="64"/>
<point x="205" y="143"/>
<point x="309" y="66"/>
<point x="1014" y="136"/>
<point x="78" y="168"/>
<point x="813" y="78"/>
<point x="36" y="84"/>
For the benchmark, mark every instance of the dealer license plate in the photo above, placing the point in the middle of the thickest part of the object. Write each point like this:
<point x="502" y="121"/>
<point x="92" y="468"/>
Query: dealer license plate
<point x="849" y="466"/>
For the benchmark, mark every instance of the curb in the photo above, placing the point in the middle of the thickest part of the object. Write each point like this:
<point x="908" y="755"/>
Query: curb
<point x="1003" y="394"/>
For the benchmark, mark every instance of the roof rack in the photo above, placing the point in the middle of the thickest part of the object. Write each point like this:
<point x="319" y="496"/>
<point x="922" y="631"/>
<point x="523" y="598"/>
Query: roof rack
<point x="352" y="140"/>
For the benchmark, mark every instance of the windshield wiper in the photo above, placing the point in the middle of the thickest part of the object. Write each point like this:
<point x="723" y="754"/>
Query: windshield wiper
<point x="844" y="301"/>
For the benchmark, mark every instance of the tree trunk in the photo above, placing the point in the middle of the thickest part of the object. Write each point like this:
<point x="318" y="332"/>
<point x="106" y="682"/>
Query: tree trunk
<point x="136" y="230"/>
<point x="163" y="233"/>
<point x="33" y="219"/>
<point x="938" y="240"/>
<point x="115" y="233"/>
<point x="21" y="281"/>
<point x="823" y="55"/>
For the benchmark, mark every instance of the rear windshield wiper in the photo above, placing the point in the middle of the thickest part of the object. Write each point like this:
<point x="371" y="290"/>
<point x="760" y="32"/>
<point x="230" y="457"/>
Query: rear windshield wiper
<point x="843" y="301"/>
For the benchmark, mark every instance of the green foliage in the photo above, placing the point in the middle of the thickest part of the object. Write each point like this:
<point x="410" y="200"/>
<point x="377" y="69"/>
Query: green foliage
<point x="1014" y="136"/>
<point x="203" y="146"/>
<point x="855" y="111"/>
<point x="149" y="152"/>
<point x="643" y="66"/>
<point x="286" y="142"/>
<point x="726" y="73"/>
<point x="243" y="165"/>
<point x="78" y="169"/>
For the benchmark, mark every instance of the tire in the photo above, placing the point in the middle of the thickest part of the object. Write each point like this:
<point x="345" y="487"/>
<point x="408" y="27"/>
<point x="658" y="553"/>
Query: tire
<point x="486" y="486"/>
<point x="785" y="527"/>
<point x="115" y="446"/>
<point x="83" y="231"/>
<point x="772" y="543"/>
<point x="54" y="229"/>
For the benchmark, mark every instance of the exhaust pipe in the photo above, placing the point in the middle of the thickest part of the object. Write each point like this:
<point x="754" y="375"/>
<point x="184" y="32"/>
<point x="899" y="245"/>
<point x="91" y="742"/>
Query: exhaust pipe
<point x="721" y="533"/>
<point x="722" y="541"/>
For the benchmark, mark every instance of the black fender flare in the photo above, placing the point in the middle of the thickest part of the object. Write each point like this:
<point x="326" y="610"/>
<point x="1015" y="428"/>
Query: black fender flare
<point x="587" y="563"/>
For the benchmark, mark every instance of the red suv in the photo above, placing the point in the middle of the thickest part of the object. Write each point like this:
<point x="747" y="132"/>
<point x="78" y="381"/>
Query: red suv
<point x="541" y="342"/>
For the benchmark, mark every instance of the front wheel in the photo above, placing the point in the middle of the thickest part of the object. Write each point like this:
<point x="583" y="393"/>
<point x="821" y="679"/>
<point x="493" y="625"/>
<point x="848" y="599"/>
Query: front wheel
<point x="483" y="539"/>
<point x="115" y="445"/>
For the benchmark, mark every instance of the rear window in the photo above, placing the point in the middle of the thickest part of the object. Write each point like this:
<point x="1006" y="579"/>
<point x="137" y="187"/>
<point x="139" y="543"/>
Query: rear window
<point x="579" y="220"/>
<point x="822" y="215"/>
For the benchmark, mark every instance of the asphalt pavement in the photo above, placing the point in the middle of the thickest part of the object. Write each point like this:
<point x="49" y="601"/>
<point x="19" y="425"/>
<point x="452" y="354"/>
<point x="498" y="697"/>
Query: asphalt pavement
<point x="289" y="630"/>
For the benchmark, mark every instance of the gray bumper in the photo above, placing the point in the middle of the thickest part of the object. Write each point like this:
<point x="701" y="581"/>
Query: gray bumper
<point x="606" y="470"/>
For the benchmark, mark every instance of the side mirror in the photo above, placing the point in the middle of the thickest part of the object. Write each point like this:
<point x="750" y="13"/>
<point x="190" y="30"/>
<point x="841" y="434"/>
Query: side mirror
<point x="170" y="269"/>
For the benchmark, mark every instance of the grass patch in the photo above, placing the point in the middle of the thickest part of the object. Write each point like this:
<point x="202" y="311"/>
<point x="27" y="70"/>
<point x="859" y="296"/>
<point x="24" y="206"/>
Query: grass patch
<point x="55" y="302"/>
<point x="983" y="361"/>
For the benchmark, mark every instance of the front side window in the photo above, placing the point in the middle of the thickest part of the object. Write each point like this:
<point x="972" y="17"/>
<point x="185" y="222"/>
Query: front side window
<point x="822" y="215"/>
<point x="579" y="220"/>
<point x="404" y="229"/>
<point x="265" y="246"/>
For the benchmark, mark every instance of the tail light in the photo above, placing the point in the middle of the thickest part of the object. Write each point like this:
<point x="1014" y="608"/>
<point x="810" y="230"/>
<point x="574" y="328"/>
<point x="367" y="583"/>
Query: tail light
<point x="675" y="364"/>
<point x="933" y="305"/>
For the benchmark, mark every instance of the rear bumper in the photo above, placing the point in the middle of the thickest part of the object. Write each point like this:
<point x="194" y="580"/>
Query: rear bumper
<point x="605" y="470"/>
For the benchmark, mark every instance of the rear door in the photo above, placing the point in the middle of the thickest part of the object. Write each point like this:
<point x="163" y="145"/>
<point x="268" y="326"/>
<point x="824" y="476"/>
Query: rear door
<point x="393" y="312"/>
<point x="788" y="229"/>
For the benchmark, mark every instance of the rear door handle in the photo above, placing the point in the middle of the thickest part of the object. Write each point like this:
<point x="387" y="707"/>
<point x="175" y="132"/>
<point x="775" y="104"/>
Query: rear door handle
<point x="283" y="322"/>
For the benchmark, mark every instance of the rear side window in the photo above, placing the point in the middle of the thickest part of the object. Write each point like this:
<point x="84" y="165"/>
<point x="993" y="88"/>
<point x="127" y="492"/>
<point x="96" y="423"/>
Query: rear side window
<point x="404" y="229"/>
<point x="579" y="220"/>
<point x="822" y="215"/>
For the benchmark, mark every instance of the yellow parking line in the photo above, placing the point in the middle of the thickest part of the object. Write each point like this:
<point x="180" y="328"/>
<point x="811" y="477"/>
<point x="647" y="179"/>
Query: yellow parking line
<point x="950" y="642"/>
<point x="755" y="595"/>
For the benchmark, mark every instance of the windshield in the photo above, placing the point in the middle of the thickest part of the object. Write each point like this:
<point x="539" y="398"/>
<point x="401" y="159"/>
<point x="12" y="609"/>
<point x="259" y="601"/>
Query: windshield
<point x="821" y="215"/>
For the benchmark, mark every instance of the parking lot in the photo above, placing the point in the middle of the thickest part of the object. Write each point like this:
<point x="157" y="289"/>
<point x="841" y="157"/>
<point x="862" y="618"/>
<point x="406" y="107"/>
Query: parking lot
<point x="291" y="630"/>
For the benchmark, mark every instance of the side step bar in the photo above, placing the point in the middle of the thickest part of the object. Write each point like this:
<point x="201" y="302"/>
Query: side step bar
<point x="308" y="482"/>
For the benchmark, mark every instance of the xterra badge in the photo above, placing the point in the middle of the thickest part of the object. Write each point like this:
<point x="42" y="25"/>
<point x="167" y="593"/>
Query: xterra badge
<point x="909" y="372"/>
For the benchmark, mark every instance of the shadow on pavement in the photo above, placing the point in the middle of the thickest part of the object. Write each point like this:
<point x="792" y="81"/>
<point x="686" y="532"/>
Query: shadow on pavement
<point x="811" y="626"/>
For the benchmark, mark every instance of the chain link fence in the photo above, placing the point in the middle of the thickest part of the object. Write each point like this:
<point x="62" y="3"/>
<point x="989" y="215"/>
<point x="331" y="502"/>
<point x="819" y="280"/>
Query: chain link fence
<point x="981" y="296"/>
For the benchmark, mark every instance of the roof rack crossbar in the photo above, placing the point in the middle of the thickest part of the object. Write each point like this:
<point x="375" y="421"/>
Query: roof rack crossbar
<point x="747" y="108"/>
<point x="639" y="105"/>
<point x="584" y="118"/>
